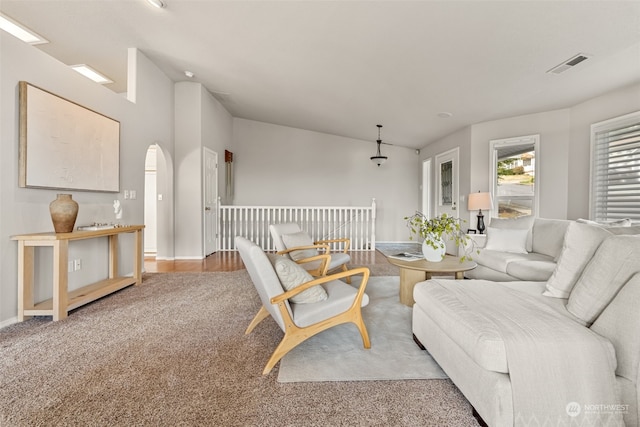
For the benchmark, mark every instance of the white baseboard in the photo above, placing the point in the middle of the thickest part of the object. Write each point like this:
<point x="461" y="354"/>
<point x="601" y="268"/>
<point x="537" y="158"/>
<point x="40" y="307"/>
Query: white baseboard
<point x="8" y="322"/>
<point x="187" y="258"/>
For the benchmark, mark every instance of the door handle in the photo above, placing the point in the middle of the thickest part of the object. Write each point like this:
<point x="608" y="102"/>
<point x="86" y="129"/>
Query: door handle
<point x="207" y="208"/>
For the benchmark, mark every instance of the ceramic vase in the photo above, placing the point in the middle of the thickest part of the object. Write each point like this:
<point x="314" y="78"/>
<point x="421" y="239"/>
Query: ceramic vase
<point x="64" y="211"/>
<point x="432" y="254"/>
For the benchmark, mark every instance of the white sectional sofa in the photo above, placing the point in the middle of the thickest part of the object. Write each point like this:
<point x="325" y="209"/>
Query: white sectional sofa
<point x="560" y="351"/>
<point x="534" y="246"/>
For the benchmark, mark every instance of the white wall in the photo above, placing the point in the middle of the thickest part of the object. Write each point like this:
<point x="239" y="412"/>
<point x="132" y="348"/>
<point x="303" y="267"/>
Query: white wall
<point x="201" y="121"/>
<point x="614" y="104"/>
<point x="278" y="165"/>
<point x="552" y="161"/>
<point x="26" y="210"/>
<point x="564" y="157"/>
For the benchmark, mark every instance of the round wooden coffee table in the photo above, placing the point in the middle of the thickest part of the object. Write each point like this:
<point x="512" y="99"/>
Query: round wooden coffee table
<point x="412" y="272"/>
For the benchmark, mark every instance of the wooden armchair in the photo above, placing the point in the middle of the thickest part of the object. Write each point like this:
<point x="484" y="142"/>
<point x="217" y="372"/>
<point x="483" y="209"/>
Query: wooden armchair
<point x="290" y="240"/>
<point x="300" y="321"/>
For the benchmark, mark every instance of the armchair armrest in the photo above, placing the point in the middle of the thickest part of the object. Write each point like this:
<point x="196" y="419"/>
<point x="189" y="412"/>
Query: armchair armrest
<point x="324" y="279"/>
<point x="302" y="248"/>
<point x="324" y="258"/>
<point x="324" y="264"/>
<point x="345" y="240"/>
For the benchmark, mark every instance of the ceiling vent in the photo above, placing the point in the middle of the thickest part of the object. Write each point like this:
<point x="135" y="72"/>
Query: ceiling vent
<point x="570" y="63"/>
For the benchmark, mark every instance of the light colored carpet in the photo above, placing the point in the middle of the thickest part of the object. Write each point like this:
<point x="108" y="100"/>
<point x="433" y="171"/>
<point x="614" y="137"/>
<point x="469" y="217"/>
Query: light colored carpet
<point x="172" y="352"/>
<point x="337" y="354"/>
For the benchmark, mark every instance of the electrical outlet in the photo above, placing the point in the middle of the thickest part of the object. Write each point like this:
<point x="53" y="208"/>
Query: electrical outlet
<point x="133" y="194"/>
<point x="77" y="264"/>
<point x="126" y="194"/>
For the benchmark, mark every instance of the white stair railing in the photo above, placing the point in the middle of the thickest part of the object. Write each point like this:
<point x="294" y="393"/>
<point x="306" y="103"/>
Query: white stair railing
<point x="321" y="222"/>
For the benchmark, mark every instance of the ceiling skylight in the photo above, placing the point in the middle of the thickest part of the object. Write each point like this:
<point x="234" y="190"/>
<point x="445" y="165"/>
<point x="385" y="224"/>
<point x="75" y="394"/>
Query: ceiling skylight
<point x="20" y="31"/>
<point x="89" y="72"/>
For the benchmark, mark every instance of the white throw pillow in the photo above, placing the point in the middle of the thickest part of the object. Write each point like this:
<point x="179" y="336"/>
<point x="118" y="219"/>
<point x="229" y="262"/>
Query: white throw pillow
<point x="521" y="223"/>
<point x="580" y="243"/>
<point x="614" y="263"/>
<point x="613" y="223"/>
<point x="292" y="275"/>
<point x="299" y="239"/>
<point x="507" y="240"/>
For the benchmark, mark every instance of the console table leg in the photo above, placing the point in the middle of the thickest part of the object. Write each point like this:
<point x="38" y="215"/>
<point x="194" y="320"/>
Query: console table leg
<point x="137" y="257"/>
<point x="60" y="278"/>
<point x="113" y="256"/>
<point x="25" y="279"/>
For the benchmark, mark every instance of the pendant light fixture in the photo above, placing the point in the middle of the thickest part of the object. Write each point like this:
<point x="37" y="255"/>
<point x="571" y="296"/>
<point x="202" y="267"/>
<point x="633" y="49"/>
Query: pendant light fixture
<point x="379" y="159"/>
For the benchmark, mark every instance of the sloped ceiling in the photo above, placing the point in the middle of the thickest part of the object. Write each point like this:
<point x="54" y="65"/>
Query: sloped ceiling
<point x="341" y="67"/>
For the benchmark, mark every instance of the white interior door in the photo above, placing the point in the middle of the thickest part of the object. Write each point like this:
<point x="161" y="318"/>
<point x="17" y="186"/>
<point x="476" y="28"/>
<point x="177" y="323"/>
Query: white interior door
<point x="447" y="183"/>
<point x="426" y="187"/>
<point x="210" y="186"/>
<point x="150" y="203"/>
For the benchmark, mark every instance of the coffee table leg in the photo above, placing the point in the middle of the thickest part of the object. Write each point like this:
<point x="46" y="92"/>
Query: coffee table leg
<point x="408" y="280"/>
<point x="459" y="275"/>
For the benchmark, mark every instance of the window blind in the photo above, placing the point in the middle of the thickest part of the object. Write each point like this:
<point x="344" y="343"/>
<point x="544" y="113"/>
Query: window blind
<point x="616" y="170"/>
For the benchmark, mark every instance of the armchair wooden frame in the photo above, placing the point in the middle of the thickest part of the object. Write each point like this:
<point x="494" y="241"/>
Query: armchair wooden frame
<point x="324" y="245"/>
<point x="277" y="230"/>
<point x="294" y="335"/>
<point x="325" y="258"/>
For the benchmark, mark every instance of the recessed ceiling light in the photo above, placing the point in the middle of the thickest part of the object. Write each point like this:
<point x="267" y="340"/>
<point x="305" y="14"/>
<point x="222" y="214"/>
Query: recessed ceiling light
<point x="189" y="74"/>
<point x="20" y="31"/>
<point x="445" y="115"/>
<point x="89" y="72"/>
<point x="157" y="3"/>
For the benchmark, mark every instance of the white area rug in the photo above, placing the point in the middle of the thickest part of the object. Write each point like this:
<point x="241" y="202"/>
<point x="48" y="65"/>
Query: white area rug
<point x="338" y="355"/>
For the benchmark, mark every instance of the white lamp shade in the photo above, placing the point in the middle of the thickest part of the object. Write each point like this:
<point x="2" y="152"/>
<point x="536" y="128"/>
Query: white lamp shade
<point x="479" y="201"/>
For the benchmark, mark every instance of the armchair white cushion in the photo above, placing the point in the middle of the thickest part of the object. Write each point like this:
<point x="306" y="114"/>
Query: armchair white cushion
<point x="299" y="239"/>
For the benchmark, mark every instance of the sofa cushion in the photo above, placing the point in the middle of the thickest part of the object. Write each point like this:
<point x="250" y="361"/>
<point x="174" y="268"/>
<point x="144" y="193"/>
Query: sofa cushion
<point x="580" y="243"/>
<point x="521" y="223"/>
<point x="532" y="270"/>
<point x="299" y="239"/>
<point x="548" y="236"/>
<point x="620" y="323"/>
<point x="292" y="275"/>
<point x="507" y="240"/>
<point x="614" y="263"/>
<point x="613" y="223"/>
<point x="499" y="261"/>
<point x="478" y="336"/>
<point x="631" y="230"/>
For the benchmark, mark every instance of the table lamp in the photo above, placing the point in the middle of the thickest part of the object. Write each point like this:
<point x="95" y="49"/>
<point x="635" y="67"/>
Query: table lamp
<point x="477" y="202"/>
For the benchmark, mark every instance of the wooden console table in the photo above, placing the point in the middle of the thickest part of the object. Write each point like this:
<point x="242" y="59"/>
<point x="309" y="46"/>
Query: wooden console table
<point x="64" y="301"/>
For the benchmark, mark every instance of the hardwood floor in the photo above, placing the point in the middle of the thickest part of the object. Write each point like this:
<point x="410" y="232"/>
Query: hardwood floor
<point x="231" y="261"/>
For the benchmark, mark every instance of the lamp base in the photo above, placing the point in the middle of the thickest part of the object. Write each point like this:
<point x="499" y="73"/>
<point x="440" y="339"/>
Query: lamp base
<point x="480" y="225"/>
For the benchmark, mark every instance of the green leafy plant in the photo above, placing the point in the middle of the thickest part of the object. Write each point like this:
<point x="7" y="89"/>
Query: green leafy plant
<point x="433" y="230"/>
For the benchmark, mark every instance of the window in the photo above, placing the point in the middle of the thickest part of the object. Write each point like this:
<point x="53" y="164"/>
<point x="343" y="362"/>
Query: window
<point x="615" y="168"/>
<point x="513" y="172"/>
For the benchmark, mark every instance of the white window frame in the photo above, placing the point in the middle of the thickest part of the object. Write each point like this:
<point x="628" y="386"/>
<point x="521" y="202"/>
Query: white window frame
<point x="494" y="145"/>
<point x="604" y="126"/>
